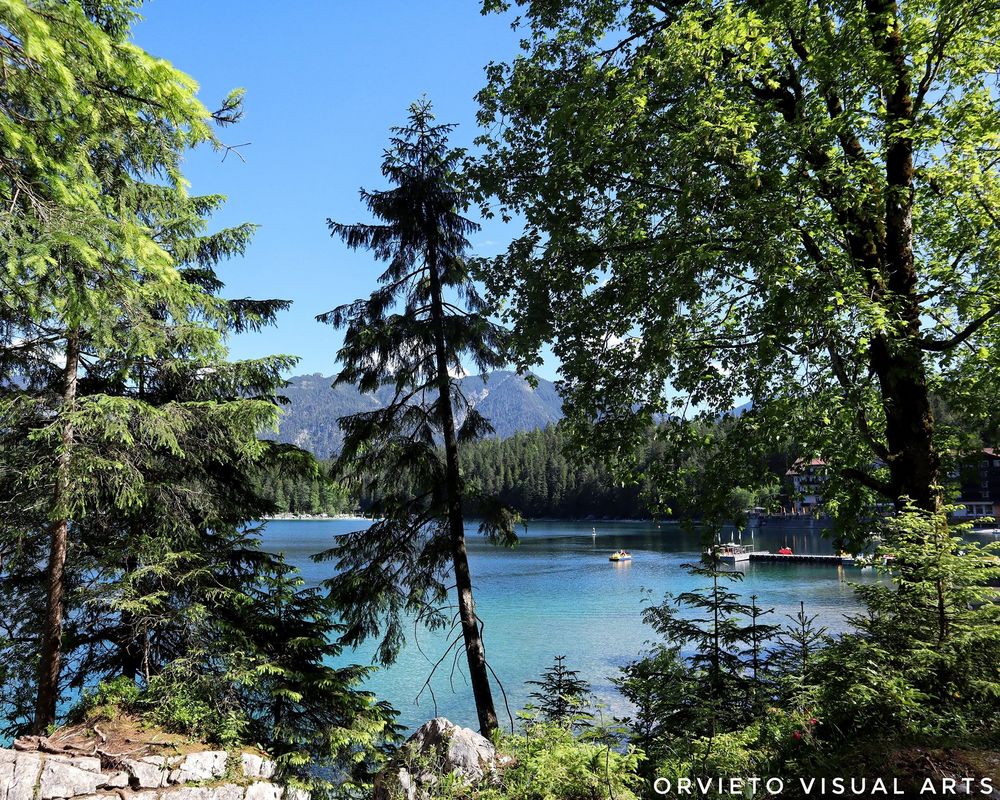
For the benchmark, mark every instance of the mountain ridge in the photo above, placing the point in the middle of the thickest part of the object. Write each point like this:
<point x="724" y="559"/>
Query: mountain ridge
<point x="505" y="398"/>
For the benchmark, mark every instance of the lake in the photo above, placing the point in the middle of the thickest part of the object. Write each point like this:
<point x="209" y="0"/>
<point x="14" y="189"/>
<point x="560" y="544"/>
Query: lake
<point x="556" y="593"/>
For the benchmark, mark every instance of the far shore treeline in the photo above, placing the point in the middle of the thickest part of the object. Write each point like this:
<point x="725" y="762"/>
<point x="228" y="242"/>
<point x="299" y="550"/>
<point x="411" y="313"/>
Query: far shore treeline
<point x="531" y="471"/>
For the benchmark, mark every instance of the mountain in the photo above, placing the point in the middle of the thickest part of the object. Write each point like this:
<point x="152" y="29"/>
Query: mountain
<point x="506" y="399"/>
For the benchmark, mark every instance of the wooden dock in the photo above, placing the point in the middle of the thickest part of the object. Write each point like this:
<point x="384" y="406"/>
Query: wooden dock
<point x="805" y="558"/>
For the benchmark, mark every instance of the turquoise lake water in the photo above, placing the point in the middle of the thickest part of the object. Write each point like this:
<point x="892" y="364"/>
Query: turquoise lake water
<point x="556" y="593"/>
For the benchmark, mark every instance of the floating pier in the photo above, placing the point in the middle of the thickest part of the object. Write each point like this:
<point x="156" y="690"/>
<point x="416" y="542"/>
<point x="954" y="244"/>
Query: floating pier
<point x="764" y="555"/>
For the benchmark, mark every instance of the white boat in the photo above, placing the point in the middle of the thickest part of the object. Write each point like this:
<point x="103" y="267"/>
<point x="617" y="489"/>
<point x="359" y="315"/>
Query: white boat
<point x="732" y="553"/>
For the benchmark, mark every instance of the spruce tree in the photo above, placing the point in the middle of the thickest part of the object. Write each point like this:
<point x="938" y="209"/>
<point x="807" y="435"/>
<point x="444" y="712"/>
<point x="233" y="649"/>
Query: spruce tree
<point x="414" y="334"/>
<point x="562" y="694"/>
<point x="83" y="265"/>
<point x="130" y="442"/>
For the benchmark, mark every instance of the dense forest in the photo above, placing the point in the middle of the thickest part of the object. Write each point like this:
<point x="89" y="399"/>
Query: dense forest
<point x="315" y="494"/>
<point x="530" y="471"/>
<point x="534" y="472"/>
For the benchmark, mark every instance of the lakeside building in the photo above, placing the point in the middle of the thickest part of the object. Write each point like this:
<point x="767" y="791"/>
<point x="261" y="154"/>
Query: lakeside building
<point x="978" y="480"/>
<point x="807" y="478"/>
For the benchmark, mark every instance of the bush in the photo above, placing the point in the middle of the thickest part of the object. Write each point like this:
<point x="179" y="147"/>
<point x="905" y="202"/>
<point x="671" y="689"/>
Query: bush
<point x="550" y="763"/>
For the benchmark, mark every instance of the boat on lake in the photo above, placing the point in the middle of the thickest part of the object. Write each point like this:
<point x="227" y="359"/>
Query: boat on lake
<point x="731" y="553"/>
<point x="621" y="555"/>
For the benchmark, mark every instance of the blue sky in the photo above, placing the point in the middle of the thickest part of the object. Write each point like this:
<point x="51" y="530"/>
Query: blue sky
<point x="325" y="81"/>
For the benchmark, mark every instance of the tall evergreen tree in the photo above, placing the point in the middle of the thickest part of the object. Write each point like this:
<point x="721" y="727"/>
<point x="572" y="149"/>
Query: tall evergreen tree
<point x="130" y="444"/>
<point x="413" y="334"/>
<point x="85" y="265"/>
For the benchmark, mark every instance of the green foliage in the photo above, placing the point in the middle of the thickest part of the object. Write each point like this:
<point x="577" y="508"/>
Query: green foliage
<point x="562" y="695"/>
<point x="551" y="763"/>
<point x="257" y="672"/>
<point x="109" y="698"/>
<point x="397" y="566"/>
<point x="538" y="474"/>
<point x="712" y="628"/>
<point x="923" y="659"/>
<point x="131" y="444"/>
<point x="181" y="700"/>
<point x="780" y="202"/>
<point x="298" y="491"/>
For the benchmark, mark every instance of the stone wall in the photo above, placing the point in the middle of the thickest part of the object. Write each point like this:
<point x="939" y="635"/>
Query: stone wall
<point x="203" y="775"/>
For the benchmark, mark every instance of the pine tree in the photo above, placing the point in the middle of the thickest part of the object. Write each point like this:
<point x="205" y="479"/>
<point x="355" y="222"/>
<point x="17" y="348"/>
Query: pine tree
<point x="716" y="638"/>
<point x="412" y="334"/>
<point x="562" y="694"/>
<point x="130" y="465"/>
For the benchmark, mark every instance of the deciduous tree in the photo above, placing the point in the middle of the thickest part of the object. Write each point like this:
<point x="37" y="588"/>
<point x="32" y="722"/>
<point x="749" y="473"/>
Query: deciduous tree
<point x="791" y="203"/>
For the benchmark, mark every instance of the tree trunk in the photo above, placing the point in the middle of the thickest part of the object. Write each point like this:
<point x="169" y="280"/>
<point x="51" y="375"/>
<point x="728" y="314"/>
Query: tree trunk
<point x="474" y="649"/>
<point x="50" y="661"/>
<point x="897" y="360"/>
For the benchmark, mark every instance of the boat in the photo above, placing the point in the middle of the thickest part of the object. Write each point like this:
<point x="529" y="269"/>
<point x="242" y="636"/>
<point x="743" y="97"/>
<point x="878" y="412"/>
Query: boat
<point x="621" y="555"/>
<point x="731" y="553"/>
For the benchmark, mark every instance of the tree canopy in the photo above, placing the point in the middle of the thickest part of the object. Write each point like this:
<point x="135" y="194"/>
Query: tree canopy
<point x="791" y="204"/>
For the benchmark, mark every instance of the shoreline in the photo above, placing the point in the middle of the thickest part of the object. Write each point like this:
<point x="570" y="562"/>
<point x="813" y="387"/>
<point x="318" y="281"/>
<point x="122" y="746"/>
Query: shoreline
<point x="316" y="517"/>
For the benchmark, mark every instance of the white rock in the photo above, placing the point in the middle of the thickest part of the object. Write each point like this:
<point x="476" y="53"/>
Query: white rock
<point x="228" y="791"/>
<point x="203" y="766"/>
<point x="7" y="760"/>
<point x="450" y="748"/>
<point x="116" y="780"/>
<point x="27" y="767"/>
<point x="255" y="766"/>
<point x="461" y="750"/>
<point x="187" y="793"/>
<point x="263" y="790"/>
<point x="88" y="763"/>
<point x="250" y="764"/>
<point x="62" y="779"/>
<point x="295" y="793"/>
<point x="150" y="772"/>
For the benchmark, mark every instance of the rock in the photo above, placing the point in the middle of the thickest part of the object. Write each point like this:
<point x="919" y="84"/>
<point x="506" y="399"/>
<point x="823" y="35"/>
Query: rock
<point x="203" y="766"/>
<point x="250" y="764"/>
<point x="63" y="779"/>
<point x="88" y="763"/>
<point x="255" y="766"/>
<point x="7" y="761"/>
<point x="446" y="749"/>
<point x="263" y="790"/>
<point x="27" y="768"/>
<point x="458" y="750"/>
<point x="116" y="780"/>
<point x="187" y="793"/>
<point x="228" y="791"/>
<point x="30" y="775"/>
<point x="150" y="772"/>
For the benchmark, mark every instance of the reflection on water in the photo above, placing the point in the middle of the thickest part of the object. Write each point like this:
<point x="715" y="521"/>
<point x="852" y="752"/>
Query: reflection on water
<point x="556" y="593"/>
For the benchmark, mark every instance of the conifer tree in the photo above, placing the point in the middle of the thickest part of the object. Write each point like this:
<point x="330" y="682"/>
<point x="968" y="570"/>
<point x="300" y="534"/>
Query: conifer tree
<point x="561" y="694"/>
<point x="413" y="334"/>
<point x="130" y="443"/>
<point x="716" y="638"/>
<point x="85" y="266"/>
